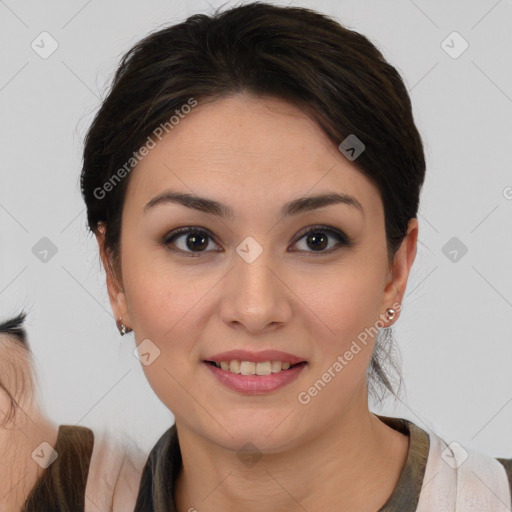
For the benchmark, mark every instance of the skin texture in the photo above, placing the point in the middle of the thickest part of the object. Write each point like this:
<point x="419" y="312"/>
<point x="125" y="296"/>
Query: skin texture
<point x="23" y="432"/>
<point x="255" y="154"/>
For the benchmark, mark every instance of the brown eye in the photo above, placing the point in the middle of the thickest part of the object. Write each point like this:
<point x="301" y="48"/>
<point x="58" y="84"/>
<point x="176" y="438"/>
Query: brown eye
<point x="317" y="239"/>
<point x="194" y="240"/>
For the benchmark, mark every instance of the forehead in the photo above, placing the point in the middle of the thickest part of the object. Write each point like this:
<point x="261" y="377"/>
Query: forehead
<point x="248" y="150"/>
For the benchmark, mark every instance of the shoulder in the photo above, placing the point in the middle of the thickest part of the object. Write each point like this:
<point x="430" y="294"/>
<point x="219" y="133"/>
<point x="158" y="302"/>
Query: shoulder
<point x="88" y="471"/>
<point x="507" y="466"/>
<point x="114" y="474"/>
<point x="466" y="476"/>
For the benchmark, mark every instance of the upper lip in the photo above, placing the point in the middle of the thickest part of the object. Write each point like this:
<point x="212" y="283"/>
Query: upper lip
<point x="257" y="357"/>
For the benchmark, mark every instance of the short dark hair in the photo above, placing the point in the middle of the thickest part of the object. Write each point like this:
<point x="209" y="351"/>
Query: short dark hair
<point x="335" y="74"/>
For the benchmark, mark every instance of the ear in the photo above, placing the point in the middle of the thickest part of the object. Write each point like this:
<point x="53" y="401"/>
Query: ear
<point x="399" y="272"/>
<point x="115" y="289"/>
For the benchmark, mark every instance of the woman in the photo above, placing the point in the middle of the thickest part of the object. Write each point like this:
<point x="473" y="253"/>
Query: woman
<point x="253" y="180"/>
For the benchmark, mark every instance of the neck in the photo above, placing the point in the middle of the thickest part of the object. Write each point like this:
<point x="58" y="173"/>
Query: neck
<point x="353" y="465"/>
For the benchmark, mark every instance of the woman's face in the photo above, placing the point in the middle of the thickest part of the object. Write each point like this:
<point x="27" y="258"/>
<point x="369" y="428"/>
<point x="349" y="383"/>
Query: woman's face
<point x="254" y="280"/>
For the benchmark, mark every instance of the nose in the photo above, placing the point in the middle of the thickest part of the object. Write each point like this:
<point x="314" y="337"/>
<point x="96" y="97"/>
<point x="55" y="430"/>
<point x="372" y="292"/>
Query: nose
<point x="255" y="296"/>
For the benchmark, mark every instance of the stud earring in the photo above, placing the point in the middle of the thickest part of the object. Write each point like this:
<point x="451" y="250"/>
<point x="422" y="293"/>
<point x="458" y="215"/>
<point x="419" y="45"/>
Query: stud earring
<point x="390" y="314"/>
<point x="122" y="328"/>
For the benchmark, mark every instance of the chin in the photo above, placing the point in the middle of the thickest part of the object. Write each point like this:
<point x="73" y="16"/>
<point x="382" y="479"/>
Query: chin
<point x="264" y="436"/>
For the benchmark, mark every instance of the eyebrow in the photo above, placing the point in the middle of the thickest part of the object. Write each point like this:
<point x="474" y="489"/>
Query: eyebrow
<point x="294" y="207"/>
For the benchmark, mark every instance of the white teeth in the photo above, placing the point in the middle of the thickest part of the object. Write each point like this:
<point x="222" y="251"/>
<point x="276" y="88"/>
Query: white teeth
<point x="276" y="366"/>
<point x="252" y="368"/>
<point x="247" y="368"/>
<point x="263" y="368"/>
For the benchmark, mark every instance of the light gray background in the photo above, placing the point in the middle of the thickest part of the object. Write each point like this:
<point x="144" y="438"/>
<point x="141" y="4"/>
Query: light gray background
<point x="455" y="330"/>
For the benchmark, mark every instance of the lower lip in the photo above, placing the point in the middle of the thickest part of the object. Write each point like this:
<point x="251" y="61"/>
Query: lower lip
<point x="254" y="384"/>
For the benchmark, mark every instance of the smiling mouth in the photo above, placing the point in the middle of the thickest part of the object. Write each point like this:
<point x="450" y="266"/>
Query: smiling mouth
<point x="253" y="368"/>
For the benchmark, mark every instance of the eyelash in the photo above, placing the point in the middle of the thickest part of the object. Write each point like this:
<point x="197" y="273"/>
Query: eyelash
<point x="343" y="240"/>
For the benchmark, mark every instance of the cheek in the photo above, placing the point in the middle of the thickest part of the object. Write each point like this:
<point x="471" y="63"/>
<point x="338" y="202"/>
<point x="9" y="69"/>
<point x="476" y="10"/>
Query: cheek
<point x="345" y="310"/>
<point x="344" y="304"/>
<point x="159" y="295"/>
<point x="164" y="309"/>
<point x="167" y="304"/>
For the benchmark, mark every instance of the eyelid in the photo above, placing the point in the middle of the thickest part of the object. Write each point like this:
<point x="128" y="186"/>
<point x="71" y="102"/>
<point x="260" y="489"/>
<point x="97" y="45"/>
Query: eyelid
<point x="343" y="239"/>
<point x="172" y="235"/>
<point x="328" y="229"/>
